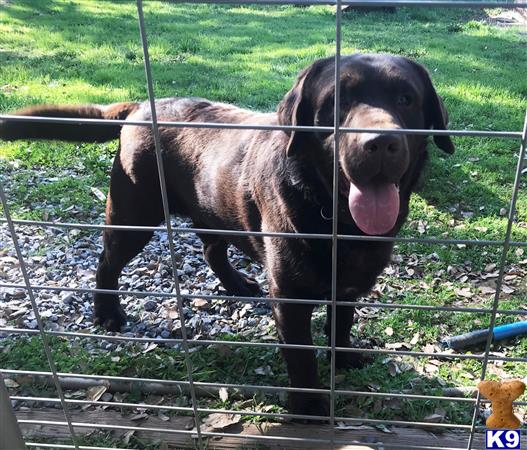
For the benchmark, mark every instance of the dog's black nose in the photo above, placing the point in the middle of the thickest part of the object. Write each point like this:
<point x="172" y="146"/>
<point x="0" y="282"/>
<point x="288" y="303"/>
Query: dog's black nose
<point x="385" y="143"/>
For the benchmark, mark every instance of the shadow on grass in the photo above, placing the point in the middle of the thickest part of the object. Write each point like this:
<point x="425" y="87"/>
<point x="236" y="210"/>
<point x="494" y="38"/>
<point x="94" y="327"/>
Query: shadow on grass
<point x="219" y="37"/>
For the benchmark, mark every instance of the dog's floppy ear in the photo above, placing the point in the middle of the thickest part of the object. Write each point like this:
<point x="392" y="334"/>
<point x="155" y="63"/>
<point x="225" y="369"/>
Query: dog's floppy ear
<point x="440" y="123"/>
<point x="297" y="109"/>
<point x="436" y="115"/>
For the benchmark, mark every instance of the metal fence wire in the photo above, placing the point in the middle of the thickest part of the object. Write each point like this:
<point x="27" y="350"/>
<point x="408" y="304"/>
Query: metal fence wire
<point x="187" y="344"/>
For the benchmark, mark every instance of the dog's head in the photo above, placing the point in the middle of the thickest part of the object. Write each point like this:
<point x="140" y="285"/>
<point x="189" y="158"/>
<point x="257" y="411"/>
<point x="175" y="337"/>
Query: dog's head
<point x="376" y="91"/>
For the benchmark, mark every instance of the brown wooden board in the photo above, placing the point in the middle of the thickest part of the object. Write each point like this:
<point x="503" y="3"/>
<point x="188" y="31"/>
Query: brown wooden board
<point x="359" y="437"/>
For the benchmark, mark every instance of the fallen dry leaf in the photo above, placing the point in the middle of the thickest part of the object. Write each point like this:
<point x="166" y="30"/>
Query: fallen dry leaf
<point x="95" y="392"/>
<point x="383" y="428"/>
<point x="172" y="313"/>
<point x="490" y="267"/>
<point x="345" y="426"/>
<point x="163" y="416"/>
<point x="151" y="346"/>
<point x="507" y="289"/>
<point x="200" y="303"/>
<point x="397" y="346"/>
<point x="224" y="394"/>
<point x="429" y="348"/>
<point x="464" y="292"/>
<point x="393" y="368"/>
<point x="126" y="436"/>
<point x="99" y="194"/>
<point x="9" y="383"/>
<point x="487" y="289"/>
<point x="139" y="417"/>
<point x="434" y="418"/>
<point x="218" y="421"/>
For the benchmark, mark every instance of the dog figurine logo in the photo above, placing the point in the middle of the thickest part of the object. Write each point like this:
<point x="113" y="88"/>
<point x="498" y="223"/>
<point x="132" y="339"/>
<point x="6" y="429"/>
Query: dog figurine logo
<point x="503" y="425"/>
<point x="501" y="396"/>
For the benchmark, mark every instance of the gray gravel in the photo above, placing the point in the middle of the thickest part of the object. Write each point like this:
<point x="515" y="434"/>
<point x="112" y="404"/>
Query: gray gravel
<point x="62" y="257"/>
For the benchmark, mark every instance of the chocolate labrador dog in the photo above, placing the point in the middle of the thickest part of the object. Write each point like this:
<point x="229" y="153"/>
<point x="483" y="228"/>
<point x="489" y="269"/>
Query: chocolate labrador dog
<point x="272" y="181"/>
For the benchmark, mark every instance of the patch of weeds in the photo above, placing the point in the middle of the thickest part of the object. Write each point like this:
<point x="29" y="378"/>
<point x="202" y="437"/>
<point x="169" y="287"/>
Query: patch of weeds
<point x="107" y="439"/>
<point x="454" y="28"/>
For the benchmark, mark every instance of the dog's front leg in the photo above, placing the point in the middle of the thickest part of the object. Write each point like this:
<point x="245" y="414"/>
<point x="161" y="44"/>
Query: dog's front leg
<point x="293" y="323"/>
<point x="344" y="322"/>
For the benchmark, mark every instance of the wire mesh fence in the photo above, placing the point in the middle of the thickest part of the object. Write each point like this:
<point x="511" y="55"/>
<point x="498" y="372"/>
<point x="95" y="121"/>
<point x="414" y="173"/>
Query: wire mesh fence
<point x="192" y="387"/>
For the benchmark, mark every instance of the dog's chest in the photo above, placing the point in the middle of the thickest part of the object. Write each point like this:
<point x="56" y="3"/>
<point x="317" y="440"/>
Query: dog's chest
<point x="358" y="266"/>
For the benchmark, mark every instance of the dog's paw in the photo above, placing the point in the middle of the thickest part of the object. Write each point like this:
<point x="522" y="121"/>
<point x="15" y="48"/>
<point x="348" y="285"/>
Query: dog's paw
<point x="309" y="405"/>
<point x="350" y="360"/>
<point x="245" y="286"/>
<point x="253" y="287"/>
<point x="112" y="319"/>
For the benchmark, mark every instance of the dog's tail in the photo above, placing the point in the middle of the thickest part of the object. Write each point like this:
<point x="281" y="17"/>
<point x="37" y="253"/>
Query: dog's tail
<point x="76" y="132"/>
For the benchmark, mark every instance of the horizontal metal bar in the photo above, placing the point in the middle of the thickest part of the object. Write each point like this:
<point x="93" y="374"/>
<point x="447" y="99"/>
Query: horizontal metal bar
<point x="207" y="231"/>
<point x="235" y="298"/>
<point x="243" y="126"/>
<point x="81" y="447"/>
<point x="202" y="384"/>
<point x="403" y="423"/>
<point x="209" y="385"/>
<point x="172" y="408"/>
<point x="405" y="396"/>
<point x="103" y="403"/>
<point x="106" y="337"/>
<point x="244" y="413"/>
<point x="250" y="436"/>
<point x="83" y="226"/>
<point x="179" y="230"/>
<point x="432" y="308"/>
<point x="167" y="430"/>
<point x="90" y="290"/>
<point x="264" y="388"/>
<point x="204" y="342"/>
<point x="343" y="392"/>
<point x="347" y="393"/>
<point x="431" y="240"/>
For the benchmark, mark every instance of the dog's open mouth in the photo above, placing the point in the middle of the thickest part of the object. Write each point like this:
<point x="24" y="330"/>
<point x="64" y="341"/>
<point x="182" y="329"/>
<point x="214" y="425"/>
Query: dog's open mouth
<point x="374" y="206"/>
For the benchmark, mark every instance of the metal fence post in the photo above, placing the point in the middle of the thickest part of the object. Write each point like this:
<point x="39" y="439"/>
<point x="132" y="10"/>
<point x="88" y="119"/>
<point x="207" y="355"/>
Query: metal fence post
<point x="10" y="434"/>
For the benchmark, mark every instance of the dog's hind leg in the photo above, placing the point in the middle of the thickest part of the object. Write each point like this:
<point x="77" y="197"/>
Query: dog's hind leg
<point x="119" y="248"/>
<point x="236" y="283"/>
<point x="128" y="204"/>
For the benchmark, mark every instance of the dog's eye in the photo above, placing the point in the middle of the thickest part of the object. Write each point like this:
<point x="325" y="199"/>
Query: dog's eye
<point x="404" y="100"/>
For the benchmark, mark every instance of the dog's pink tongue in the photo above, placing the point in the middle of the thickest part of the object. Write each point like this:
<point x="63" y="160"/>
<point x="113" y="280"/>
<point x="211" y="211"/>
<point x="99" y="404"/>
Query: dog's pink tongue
<point x="374" y="208"/>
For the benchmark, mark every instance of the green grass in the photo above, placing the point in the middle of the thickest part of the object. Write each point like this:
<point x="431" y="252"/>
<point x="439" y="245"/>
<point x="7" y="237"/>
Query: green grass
<point x="60" y="51"/>
<point x="108" y="438"/>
